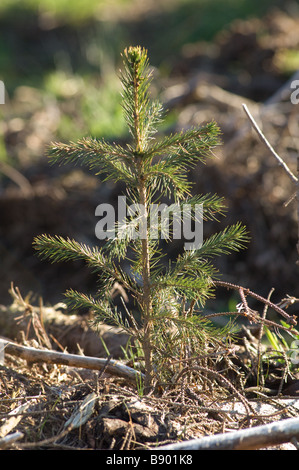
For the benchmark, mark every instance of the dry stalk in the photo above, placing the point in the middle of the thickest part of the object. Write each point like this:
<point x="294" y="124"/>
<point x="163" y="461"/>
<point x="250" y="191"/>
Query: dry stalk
<point x="286" y="372"/>
<point x="36" y="320"/>
<point x="260" y="335"/>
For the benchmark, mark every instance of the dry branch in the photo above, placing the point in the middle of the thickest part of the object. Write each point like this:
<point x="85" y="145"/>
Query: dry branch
<point x="7" y="441"/>
<point x="114" y="368"/>
<point x="248" y="439"/>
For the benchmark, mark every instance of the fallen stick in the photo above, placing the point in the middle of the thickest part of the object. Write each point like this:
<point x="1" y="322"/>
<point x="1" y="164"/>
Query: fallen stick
<point x="248" y="439"/>
<point x="7" y="441"/>
<point x="112" y="367"/>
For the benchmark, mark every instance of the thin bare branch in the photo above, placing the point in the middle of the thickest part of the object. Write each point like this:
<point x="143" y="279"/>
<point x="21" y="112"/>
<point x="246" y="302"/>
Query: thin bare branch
<point x="269" y="146"/>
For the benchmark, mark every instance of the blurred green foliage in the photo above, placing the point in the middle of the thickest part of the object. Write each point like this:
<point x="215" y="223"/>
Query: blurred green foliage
<point x="70" y="50"/>
<point x="71" y="12"/>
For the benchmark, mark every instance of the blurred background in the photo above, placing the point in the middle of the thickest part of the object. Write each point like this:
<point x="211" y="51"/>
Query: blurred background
<point x="60" y="60"/>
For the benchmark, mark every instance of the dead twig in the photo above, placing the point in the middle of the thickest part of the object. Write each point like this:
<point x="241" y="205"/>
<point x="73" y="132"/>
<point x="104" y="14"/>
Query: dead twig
<point x="290" y="319"/>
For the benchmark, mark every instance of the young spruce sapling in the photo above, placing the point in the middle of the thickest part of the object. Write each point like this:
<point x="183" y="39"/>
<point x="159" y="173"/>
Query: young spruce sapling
<point x="168" y="294"/>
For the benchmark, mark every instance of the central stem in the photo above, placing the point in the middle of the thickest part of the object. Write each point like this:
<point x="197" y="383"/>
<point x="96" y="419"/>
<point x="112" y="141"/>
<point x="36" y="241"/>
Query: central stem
<point x="136" y="86"/>
<point x="146" y="301"/>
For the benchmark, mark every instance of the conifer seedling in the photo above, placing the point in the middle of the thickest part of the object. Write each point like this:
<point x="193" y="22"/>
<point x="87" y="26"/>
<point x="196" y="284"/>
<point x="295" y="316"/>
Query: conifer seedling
<point x="169" y="294"/>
